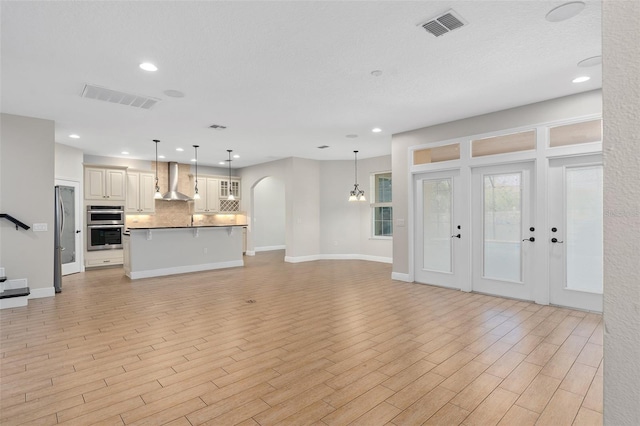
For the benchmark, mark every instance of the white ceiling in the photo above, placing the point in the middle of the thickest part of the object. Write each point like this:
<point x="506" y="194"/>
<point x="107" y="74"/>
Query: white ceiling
<point x="286" y="76"/>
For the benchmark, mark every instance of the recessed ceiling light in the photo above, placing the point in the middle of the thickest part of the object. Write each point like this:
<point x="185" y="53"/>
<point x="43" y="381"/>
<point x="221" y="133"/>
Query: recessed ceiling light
<point x="565" y="11"/>
<point x="148" y="66"/>
<point x="590" y="62"/>
<point x="236" y="156"/>
<point x="376" y="130"/>
<point x="74" y="136"/>
<point x="376" y="73"/>
<point x="161" y="156"/>
<point x="222" y="163"/>
<point x="174" y="93"/>
<point x="581" y="79"/>
<point x="125" y="152"/>
<point x="351" y="136"/>
<point x="179" y="149"/>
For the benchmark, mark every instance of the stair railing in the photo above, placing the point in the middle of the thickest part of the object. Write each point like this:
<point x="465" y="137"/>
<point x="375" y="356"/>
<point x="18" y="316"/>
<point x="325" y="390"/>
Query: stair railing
<point x="15" y="221"/>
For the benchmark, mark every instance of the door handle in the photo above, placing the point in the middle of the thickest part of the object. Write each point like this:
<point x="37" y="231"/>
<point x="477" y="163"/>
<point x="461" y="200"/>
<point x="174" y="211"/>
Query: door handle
<point x="456" y="236"/>
<point x="532" y="239"/>
<point x="555" y="241"/>
<point x="78" y="231"/>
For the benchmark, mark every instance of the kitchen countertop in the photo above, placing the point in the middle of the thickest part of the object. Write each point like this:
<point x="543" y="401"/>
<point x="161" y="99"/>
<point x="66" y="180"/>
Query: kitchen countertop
<point x="185" y="227"/>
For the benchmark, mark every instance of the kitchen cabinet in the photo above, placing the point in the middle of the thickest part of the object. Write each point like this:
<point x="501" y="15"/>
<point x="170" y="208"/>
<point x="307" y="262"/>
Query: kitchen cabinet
<point x="226" y="205"/>
<point x="209" y="198"/>
<point x="140" y="192"/>
<point x="104" y="183"/>
<point x="93" y="259"/>
<point x="224" y="188"/>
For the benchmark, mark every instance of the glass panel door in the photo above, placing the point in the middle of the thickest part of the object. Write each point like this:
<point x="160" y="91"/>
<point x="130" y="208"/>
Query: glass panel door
<point x="502" y="213"/>
<point x="502" y="243"/>
<point x="437" y="224"/>
<point x="438" y="235"/>
<point x="576" y="234"/>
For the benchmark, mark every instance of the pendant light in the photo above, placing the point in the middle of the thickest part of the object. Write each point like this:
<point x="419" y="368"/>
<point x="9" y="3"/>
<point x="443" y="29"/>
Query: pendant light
<point x="157" y="195"/>
<point x="230" y="197"/>
<point x="356" y="194"/>
<point x="196" y="196"/>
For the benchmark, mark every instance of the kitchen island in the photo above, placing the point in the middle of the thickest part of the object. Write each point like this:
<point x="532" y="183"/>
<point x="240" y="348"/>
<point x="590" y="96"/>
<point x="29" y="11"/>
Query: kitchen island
<point x="154" y="252"/>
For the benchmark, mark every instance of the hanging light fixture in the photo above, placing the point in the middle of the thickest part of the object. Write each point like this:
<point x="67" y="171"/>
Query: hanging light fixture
<point x="356" y="193"/>
<point x="157" y="195"/>
<point x="230" y="197"/>
<point x="196" y="196"/>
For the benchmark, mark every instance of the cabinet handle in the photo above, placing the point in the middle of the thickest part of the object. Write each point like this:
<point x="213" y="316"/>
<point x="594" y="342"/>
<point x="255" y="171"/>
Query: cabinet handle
<point x="106" y="261"/>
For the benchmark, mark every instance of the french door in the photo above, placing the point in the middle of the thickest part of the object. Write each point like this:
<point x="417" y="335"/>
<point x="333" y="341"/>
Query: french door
<point x="439" y="239"/>
<point x="504" y="234"/>
<point x="70" y="236"/>
<point x="576" y="232"/>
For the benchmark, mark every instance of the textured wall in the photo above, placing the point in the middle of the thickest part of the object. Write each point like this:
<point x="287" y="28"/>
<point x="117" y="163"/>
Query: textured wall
<point x="621" y="89"/>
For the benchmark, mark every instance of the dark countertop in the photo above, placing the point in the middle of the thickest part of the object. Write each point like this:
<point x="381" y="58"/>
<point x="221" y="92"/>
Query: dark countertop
<point x="183" y="227"/>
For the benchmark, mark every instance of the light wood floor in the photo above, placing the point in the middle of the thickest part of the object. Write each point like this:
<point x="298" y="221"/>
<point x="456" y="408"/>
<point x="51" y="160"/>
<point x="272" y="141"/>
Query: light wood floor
<point x="326" y="342"/>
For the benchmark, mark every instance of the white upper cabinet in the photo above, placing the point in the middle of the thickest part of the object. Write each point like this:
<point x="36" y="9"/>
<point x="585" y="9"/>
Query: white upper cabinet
<point x="104" y="184"/>
<point x="140" y="192"/>
<point x="224" y="188"/>
<point x="208" y="191"/>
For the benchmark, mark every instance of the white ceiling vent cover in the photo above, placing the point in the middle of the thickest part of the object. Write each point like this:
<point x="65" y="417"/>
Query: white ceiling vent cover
<point x="98" y="93"/>
<point x="444" y="23"/>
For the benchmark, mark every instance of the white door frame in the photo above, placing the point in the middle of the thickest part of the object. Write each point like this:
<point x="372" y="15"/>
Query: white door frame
<point x="540" y="155"/>
<point x="557" y="251"/>
<point x="523" y="288"/>
<point x="78" y="265"/>
<point x="460" y="246"/>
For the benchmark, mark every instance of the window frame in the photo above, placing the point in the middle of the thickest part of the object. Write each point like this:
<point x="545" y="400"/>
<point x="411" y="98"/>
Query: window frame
<point x="375" y="204"/>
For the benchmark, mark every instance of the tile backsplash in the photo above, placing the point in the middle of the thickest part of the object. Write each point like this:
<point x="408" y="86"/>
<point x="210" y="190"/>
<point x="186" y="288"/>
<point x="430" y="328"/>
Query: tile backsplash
<point x="178" y="213"/>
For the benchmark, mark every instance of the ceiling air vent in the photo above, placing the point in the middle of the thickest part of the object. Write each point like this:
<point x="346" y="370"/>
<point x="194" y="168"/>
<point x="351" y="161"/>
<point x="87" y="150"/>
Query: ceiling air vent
<point x="217" y="127"/>
<point x="443" y="24"/>
<point x="98" y="93"/>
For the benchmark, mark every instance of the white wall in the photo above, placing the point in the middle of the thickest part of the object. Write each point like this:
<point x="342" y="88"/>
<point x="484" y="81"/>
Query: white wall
<point x="26" y="192"/>
<point x="556" y="109"/>
<point x="68" y="164"/>
<point x="117" y="161"/>
<point x="269" y="214"/>
<point x="304" y="196"/>
<point x="621" y="88"/>
<point x="346" y="226"/>
<point x="320" y="222"/>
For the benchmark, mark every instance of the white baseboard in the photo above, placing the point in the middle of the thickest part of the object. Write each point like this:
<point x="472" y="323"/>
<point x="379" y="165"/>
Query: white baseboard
<point x="270" y="248"/>
<point x="398" y="276"/>
<point x="298" y="259"/>
<point x="184" y="269"/>
<point x="37" y="293"/>
<point x="13" y="302"/>
<point x="250" y="252"/>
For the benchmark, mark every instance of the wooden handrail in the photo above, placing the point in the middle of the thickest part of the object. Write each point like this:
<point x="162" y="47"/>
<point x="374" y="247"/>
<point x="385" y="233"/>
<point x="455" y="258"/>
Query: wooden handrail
<point x="15" y="221"/>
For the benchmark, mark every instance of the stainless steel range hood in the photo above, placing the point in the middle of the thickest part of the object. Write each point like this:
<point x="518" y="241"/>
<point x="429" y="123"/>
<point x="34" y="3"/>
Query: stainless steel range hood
<point x="173" y="194"/>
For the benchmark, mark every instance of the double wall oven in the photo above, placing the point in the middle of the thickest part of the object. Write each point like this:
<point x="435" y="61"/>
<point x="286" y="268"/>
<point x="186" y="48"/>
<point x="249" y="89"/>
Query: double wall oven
<point x="105" y="225"/>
